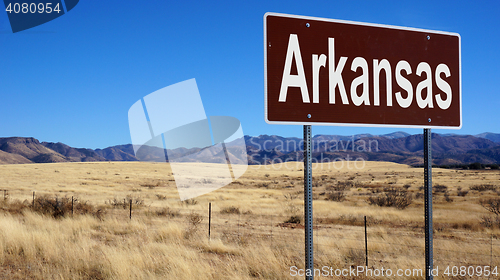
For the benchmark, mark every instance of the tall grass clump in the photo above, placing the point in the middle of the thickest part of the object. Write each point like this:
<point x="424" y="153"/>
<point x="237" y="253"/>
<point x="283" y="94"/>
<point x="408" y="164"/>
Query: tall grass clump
<point x="392" y="197"/>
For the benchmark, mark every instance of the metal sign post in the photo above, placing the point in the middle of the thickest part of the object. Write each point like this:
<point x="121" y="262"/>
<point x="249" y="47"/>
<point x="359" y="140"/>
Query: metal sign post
<point x="428" y="203"/>
<point x="308" y="207"/>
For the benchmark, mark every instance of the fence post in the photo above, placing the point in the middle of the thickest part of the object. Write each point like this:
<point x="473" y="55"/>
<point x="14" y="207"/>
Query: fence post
<point x="239" y="216"/>
<point x="317" y="239"/>
<point x="366" y="245"/>
<point x="72" y="204"/>
<point x="33" y="204"/>
<point x="4" y="194"/>
<point x="131" y="209"/>
<point x="271" y="231"/>
<point x="209" y="218"/>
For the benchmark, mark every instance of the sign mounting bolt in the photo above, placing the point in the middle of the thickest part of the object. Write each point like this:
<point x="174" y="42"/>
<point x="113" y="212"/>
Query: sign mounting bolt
<point x="428" y="37"/>
<point x="308" y="116"/>
<point x="307" y="24"/>
<point x="429" y="119"/>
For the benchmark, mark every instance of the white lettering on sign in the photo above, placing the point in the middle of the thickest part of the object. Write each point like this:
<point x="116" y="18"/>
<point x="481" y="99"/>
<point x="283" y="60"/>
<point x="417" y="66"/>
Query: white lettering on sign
<point x="359" y="90"/>
<point x="290" y="80"/>
<point x="404" y="84"/>
<point x="335" y="73"/>
<point x="377" y="67"/>
<point x="443" y="85"/>
<point x="317" y="64"/>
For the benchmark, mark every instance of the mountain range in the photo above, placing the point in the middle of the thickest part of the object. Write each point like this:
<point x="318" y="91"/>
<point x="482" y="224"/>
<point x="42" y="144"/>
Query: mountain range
<point x="400" y="147"/>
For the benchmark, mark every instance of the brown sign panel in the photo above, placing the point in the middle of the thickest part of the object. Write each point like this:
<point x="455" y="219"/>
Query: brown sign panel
<point x="330" y="72"/>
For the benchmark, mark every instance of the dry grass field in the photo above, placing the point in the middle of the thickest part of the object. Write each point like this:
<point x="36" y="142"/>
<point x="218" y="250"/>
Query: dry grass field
<point x="256" y="230"/>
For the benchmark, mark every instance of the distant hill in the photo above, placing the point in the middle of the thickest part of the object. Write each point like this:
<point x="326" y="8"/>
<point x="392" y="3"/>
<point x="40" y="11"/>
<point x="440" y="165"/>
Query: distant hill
<point x="73" y="154"/>
<point x="400" y="147"/>
<point x="117" y="153"/>
<point x="30" y="149"/>
<point x="446" y="150"/>
<point x="495" y="137"/>
<point x="490" y="153"/>
<point x="8" y="158"/>
<point x="440" y="144"/>
<point x="395" y="135"/>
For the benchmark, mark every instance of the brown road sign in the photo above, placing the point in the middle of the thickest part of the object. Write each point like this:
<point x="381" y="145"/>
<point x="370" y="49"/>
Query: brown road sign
<point x="331" y="72"/>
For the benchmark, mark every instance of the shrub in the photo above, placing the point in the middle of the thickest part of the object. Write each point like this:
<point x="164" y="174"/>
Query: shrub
<point x="82" y="207"/>
<point x="483" y="187"/>
<point x="125" y="203"/>
<point x="350" y="220"/>
<point x="492" y="205"/>
<point x="447" y="197"/>
<point x="115" y="203"/>
<point x="462" y="193"/>
<point x="354" y="257"/>
<point x="392" y="197"/>
<point x="290" y="206"/>
<point x="490" y="222"/>
<point x="342" y="186"/>
<point x="264" y="185"/>
<point x="295" y="219"/>
<point x="345" y="185"/>
<point x="161" y="196"/>
<point x="440" y="188"/>
<point x="51" y="206"/>
<point x="338" y="196"/>
<point x="14" y="206"/>
<point x="475" y="166"/>
<point x="230" y="210"/>
<point x="60" y="207"/>
<point x="194" y="220"/>
<point x="168" y="212"/>
<point x="137" y="201"/>
<point x="190" y="201"/>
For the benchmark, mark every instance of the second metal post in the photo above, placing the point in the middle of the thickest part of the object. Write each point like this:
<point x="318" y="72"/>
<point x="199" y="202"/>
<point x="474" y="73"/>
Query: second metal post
<point x="308" y="207"/>
<point x="428" y="203"/>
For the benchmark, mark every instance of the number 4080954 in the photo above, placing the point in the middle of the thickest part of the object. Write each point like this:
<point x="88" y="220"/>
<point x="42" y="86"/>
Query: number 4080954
<point x="471" y="271"/>
<point x="32" y="8"/>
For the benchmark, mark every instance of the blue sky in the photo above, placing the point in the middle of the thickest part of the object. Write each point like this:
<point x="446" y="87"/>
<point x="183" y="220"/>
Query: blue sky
<point x="73" y="79"/>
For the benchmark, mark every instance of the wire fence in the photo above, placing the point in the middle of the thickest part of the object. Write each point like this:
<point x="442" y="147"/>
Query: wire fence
<point x="372" y="243"/>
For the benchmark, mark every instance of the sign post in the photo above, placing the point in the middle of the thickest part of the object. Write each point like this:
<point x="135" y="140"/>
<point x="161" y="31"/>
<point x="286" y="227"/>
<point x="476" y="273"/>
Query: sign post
<point x="428" y="203"/>
<point x="308" y="201"/>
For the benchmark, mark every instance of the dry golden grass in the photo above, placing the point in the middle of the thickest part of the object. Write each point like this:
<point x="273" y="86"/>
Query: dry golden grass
<point x="167" y="239"/>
